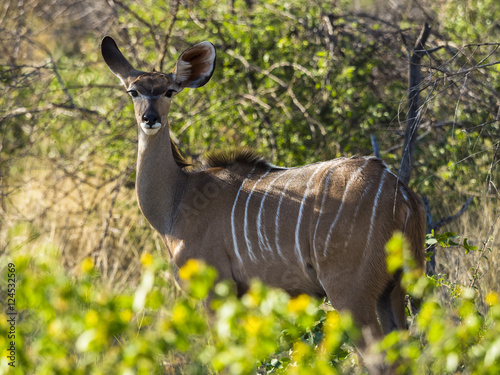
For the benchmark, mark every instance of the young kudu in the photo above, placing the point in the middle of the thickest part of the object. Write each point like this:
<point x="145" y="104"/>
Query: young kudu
<point x="319" y="229"/>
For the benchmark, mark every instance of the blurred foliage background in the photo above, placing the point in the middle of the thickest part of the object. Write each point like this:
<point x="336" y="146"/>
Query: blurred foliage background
<point x="299" y="81"/>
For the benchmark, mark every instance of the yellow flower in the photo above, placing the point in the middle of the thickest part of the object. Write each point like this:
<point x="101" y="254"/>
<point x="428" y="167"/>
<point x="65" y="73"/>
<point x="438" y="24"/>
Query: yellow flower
<point x="146" y="259"/>
<point x="87" y="265"/>
<point x="299" y="304"/>
<point x="91" y="318"/>
<point x="253" y="325"/>
<point x="301" y="351"/>
<point x="332" y="321"/>
<point x="394" y="249"/>
<point x="125" y="315"/>
<point x="492" y="299"/>
<point x="180" y="314"/>
<point x="191" y="268"/>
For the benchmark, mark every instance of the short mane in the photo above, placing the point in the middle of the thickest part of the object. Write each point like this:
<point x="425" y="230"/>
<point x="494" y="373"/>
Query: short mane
<point x="178" y="158"/>
<point x="242" y="156"/>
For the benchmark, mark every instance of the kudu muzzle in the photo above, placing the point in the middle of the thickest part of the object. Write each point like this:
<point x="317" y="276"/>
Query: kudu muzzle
<point x="150" y="120"/>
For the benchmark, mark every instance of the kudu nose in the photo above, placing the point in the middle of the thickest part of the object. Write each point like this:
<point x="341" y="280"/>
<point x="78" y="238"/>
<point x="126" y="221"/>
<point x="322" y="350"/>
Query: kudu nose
<point x="150" y="118"/>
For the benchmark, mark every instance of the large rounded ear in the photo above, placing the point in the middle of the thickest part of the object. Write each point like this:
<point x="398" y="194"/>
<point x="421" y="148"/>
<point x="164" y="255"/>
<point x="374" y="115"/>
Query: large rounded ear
<point x="195" y="65"/>
<point x="117" y="62"/>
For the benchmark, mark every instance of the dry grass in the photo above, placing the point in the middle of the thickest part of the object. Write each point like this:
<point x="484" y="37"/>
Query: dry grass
<point x="80" y="217"/>
<point x="480" y="268"/>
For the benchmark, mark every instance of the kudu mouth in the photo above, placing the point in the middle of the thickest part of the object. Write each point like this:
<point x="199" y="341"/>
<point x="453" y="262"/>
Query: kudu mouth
<point x="150" y="129"/>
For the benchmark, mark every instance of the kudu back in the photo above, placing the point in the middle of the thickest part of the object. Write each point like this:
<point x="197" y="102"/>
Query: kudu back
<point x="319" y="229"/>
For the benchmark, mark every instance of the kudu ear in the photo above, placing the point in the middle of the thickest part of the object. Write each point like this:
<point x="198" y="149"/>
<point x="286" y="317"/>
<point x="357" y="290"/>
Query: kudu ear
<point x="195" y="65"/>
<point x="117" y="62"/>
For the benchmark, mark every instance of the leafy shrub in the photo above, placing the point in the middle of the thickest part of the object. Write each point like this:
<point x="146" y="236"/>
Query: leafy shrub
<point x="74" y="325"/>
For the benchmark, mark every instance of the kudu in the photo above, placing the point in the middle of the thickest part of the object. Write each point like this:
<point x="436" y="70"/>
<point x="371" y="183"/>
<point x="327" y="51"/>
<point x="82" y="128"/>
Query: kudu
<point x="319" y="229"/>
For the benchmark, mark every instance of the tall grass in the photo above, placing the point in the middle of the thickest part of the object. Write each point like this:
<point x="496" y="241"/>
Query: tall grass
<point x="82" y="216"/>
<point x="480" y="268"/>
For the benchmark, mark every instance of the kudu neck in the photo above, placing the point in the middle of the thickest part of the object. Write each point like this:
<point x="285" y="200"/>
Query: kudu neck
<point x="159" y="181"/>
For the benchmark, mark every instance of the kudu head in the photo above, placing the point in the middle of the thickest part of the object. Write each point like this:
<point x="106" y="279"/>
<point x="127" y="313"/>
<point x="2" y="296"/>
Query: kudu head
<point x="151" y="92"/>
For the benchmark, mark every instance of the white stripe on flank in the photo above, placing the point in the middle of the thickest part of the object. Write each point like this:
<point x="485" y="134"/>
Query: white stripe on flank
<point x="302" y="204"/>
<point x="245" y="222"/>
<point x="349" y="183"/>
<point x="374" y="210"/>
<point x="233" y="229"/>
<point x="356" y="211"/>
<point x="403" y="193"/>
<point x="325" y="193"/>
<point x="262" y="237"/>
<point x="388" y="170"/>
<point x="323" y="200"/>
<point x="178" y="247"/>
<point x="276" y="222"/>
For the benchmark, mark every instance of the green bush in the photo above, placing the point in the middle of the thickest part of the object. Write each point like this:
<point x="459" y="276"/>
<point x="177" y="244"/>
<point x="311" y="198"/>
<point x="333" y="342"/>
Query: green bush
<point x="73" y="325"/>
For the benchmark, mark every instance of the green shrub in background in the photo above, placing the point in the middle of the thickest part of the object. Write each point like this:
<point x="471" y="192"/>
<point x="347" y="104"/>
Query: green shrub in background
<point x="74" y="325"/>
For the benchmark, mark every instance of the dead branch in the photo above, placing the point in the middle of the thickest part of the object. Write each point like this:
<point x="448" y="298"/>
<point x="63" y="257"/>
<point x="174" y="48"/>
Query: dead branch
<point x="414" y="105"/>
<point x="449" y="219"/>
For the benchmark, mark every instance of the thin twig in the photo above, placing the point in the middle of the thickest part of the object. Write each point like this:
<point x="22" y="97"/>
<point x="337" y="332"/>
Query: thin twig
<point x="116" y="189"/>
<point x="464" y="71"/>
<point x="168" y="34"/>
<point x="150" y="27"/>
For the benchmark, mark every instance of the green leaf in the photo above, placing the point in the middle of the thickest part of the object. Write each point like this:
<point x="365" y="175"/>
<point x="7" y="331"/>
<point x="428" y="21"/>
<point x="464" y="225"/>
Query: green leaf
<point x="468" y="247"/>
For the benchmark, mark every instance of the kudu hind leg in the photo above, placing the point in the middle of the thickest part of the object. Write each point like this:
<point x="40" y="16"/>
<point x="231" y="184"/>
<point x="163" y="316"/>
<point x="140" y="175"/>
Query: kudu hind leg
<point x="361" y="306"/>
<point x="361" y="303"/>
<point x="391" y="307"/>
<point x="398" y="296"/>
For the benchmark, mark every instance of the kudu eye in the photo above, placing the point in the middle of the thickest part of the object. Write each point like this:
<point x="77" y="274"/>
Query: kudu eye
<point x="169" y="93"/>
<point x="133" y="93"/>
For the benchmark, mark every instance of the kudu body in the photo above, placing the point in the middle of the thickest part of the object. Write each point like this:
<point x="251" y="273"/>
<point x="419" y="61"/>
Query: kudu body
<point x="319" y="229"/>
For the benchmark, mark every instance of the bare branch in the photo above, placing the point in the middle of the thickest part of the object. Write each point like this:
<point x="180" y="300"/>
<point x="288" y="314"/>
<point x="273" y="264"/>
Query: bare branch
<point x="414" y="105"/>
<point x="375" y="146"/>
<point x="168" y="34"/>
<point x="449" y="219"/>
<point x="464" y="71"/>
